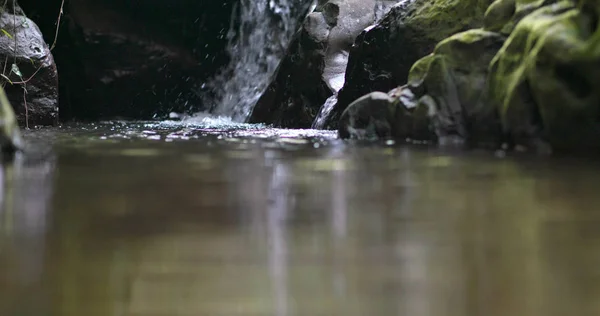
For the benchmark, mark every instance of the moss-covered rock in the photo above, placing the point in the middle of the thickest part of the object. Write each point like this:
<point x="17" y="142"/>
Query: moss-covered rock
<point x="545" y="79"/>
<point x="384" y="53"/>
<point x="503" y="15"/>
<point x="451" y="83"/>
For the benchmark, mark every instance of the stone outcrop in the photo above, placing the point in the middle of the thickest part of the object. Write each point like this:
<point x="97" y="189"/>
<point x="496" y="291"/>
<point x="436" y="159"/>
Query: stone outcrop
<point x="29" y="73"/>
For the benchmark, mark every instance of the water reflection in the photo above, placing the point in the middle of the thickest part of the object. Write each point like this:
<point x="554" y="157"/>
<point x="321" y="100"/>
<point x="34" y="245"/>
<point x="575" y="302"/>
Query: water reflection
<point x="25" y="189"/>
<point x="246" y="228"/>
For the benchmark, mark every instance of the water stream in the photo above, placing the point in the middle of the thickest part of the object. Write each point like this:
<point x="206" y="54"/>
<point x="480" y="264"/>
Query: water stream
<point x="219" y="218"/>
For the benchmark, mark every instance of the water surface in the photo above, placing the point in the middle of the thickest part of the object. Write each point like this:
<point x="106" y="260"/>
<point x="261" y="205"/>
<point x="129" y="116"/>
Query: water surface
<point x="206" y="217"/>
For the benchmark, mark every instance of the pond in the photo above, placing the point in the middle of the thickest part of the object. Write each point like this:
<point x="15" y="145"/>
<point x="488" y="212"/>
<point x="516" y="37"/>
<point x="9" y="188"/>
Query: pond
<point x="215" y="218"/>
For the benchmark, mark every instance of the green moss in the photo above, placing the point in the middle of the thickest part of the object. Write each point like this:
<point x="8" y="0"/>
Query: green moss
<point x="471" y="50"/>
<point x="499" y="14"/>
<point x="503" y="15"/>
<point x="419" y="70"/>
<point x="441" y="18"/>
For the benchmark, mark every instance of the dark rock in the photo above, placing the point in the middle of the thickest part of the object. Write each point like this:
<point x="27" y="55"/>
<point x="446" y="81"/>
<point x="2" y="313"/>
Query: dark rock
<point x="29" y="72"/>
<point x="378" y="115"/>
<point x="369" y="118"/>
<point x="383" y="54"/>
<point x="315" y="66"/>
<point x="298" y="90"/>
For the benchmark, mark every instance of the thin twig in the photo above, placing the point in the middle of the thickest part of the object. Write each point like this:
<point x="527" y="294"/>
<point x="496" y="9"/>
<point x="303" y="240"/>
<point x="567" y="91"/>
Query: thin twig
<point x="15" y="61"/>
<point x="60" y="14"/>
<point x="26" y="109"/>
<point x="31" y="77"/>
<point x="5" y="63"/>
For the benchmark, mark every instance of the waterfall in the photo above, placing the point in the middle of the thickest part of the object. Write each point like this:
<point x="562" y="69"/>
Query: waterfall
<point x="259" y="35"/>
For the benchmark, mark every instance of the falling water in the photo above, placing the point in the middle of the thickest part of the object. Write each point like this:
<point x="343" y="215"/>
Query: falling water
<point x="321" y="118"/>
<point x="259" y="34"/>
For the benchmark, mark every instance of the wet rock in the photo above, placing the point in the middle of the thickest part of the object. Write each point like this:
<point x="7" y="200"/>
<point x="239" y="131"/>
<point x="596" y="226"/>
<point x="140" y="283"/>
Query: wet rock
<point x="378" y="115"/>
<point x="545" y="79"/>
<point x="452" y="83"/>
<point x="315" y="66"/>
<point x="29" y="72"/>
<point x="370" y="117"/>
<point x="384" y="53"/>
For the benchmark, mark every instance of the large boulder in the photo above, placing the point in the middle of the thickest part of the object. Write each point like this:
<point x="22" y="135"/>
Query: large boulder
<point x="383" y="54"/>
<point x="315" y="65"/>
<point x="29" y="72"/>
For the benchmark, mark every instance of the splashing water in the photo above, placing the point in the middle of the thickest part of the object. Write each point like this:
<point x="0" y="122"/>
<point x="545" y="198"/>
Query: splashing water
<point x="258" y="38"/>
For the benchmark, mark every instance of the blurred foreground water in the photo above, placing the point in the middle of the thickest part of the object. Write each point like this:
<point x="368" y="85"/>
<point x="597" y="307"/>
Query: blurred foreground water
<point x="207" y="218"/>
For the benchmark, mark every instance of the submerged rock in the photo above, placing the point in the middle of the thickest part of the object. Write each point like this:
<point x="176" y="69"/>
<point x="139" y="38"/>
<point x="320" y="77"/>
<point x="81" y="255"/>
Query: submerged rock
<point x="384" y="53"/>
<point x="30" y="75"/>
<point x="315" y="66"/>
